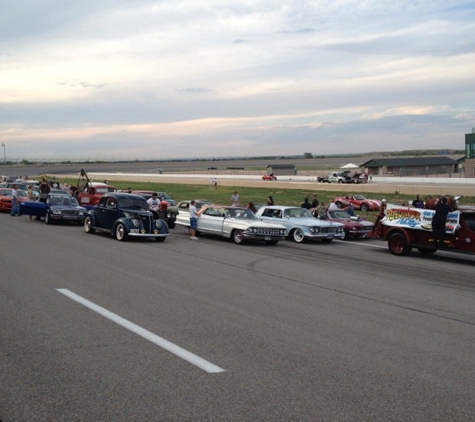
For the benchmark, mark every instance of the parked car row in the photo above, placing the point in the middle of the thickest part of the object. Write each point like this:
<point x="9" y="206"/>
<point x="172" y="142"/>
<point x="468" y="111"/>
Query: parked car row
<point x="123" y="215"/>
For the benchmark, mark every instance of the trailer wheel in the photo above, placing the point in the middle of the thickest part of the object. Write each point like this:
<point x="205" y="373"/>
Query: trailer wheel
<point x="398" y="245"/>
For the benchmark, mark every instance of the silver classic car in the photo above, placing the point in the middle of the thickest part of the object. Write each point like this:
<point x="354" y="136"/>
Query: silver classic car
<point x="301" y="224"/>
<point x="236" y="223"/>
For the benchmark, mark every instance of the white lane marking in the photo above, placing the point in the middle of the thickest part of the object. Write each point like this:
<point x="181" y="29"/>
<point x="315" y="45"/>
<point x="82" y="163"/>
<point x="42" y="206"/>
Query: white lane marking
<point x="159" y="341"/>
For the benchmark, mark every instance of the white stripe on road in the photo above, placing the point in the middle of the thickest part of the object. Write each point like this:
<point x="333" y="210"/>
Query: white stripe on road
<point x="159" y="341"/>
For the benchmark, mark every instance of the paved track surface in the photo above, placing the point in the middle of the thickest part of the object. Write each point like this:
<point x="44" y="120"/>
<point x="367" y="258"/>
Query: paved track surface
<point x="310" y="332"/>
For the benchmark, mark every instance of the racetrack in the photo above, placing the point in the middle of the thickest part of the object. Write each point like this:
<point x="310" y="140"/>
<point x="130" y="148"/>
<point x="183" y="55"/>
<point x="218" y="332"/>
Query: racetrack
<point x="341" y="331"/>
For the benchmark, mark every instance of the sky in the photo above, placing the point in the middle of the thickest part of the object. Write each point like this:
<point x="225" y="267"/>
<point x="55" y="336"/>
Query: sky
<point x="167" y="79"/>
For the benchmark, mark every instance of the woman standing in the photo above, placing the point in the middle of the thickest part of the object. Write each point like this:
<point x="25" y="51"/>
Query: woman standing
<point x="31" y="198"/>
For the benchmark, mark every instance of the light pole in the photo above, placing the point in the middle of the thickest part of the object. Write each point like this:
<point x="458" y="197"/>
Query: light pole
<point x="4" y="152"/>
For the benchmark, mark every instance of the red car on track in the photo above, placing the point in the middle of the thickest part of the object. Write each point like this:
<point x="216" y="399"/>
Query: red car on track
<point x="269" y="177"/>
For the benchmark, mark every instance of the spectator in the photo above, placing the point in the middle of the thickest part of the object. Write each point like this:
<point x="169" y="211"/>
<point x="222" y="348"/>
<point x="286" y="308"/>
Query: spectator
<point x="321" y="211"/>
<point x="235" y="199"/>
<point x="252" y="207"/>
<point x="332" y="206"/>
<point x="307" y="205"/>
<point x="15" y="209"/>
<point x="418" y="203"/>
<point x="153" y="204"/>
<point x="44" y="189"/>
<point x="438" y="222"/>
<point x="193" y="219"/>
<point x="31" y="198"/>
<point x="350" y="209"/>
<point x="314" y="201"/>
<point x="270" y="201"/>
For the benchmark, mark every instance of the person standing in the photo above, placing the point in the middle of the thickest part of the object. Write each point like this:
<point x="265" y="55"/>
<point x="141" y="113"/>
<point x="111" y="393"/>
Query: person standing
<point x="307" y="205"/>
<point x="438" y="222"/>
<point x="15" y="210"/>
<point x="270" y="201"/>
<point x="418" y="203"/>
<point x="31" y="198"/>
<point x="322" y="211"/>
<point x="193" y="220"/>
<point x="153" y="204"/>
<point x="235" y="199"/>
<point x="314" y="201"/>
<point x="44" y="189"/>
<point x="252" y="207"/>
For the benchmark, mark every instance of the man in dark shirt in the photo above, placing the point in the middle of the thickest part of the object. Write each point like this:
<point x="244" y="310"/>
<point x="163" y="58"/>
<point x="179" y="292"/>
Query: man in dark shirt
<point x="418" y="203"/>
<point x="438" y="222"/>
<point x="306" y="204"/>
<point x="314" y="201"/>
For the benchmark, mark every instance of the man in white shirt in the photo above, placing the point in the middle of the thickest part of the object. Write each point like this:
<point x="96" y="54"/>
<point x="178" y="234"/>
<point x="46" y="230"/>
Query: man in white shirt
<point x="15" y="208"/>
<point x="153" y="204"/>
<point x="193" y="219"/>
<point x="332" y="206"/>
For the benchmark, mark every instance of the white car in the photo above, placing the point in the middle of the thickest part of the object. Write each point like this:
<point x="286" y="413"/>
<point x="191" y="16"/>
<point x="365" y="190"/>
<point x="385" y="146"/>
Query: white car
<point x="236" y="223"/>
<point x="301" y="224"/>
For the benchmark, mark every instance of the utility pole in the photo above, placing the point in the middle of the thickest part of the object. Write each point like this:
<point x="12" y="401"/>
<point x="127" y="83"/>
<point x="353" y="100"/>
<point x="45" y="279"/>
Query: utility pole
<point x="4" y="152"/>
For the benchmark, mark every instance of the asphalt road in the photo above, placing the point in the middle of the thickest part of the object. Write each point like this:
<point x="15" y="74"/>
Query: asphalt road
<point x="92" y="329"/>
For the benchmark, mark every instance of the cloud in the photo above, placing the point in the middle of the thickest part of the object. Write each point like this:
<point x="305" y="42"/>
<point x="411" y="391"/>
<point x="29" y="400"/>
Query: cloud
<point x="157" y="78"/>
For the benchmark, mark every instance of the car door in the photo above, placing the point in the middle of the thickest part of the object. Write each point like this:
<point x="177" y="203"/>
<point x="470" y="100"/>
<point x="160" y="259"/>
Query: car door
<point x="211" y="221"/>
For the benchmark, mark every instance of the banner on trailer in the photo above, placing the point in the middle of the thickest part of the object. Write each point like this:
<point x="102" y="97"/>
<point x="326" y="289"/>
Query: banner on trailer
<point x="417" y="218"/>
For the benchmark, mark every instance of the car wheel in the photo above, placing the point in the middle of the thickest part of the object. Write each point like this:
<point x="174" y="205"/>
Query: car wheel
<point x="160" y="239"/>
<point x="47" y="219"/>
<point x="120" y="232"/>
<point x="339" y="204"/>
<point x="398" y="244"/>
<point x="171" y="225"/>
<point x="238" y="236"/>
<point x="340" y="181"/>
<point x="271" y="242"/>
<point x="88" y="225"/>
<point x="347" y="235"/>
<point x="298" y="235"/>
<point x="364" y="207"/>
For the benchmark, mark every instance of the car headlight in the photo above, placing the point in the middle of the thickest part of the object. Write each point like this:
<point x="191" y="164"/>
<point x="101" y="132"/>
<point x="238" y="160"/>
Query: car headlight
<point x="136" y="222"/>
<point x="159" y="224"/>
<point x="282" y="232"/>
<point x="57" y="212"/>
<point x="315" y="229"/>
<point x="81" y="212"/>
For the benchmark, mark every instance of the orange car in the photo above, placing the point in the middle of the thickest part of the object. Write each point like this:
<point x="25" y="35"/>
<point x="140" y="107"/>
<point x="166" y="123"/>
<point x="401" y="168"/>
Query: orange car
<point x="6" y="198"/>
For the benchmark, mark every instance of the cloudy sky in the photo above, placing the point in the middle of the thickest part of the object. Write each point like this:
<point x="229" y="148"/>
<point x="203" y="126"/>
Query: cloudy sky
<point x="134" y="79"/>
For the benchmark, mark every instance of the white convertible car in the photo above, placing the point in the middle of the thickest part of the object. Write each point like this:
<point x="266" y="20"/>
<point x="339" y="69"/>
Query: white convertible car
<point x="238" y="224"/>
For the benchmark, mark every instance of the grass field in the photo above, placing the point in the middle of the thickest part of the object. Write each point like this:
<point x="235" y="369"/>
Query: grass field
<point x="222" y="195"/>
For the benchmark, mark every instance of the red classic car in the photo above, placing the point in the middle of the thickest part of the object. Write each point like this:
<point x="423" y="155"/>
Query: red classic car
<point x="359" y="202"/>
<point x="269" y="177"/>
<point x="6" y="198"/>
<point x="354" y="226"/>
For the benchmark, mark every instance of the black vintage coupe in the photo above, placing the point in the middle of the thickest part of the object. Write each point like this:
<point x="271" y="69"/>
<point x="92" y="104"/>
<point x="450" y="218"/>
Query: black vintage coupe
<point x="123" y="215"/>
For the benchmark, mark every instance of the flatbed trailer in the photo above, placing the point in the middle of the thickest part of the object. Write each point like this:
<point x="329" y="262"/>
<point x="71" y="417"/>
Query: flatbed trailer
<point x="405" y="228"/>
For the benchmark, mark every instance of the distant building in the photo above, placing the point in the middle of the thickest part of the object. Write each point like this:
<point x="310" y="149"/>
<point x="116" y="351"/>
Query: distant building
<point x="411" y="166"/>
<point x="281" y="169"/>
<point x="469" y="163"/>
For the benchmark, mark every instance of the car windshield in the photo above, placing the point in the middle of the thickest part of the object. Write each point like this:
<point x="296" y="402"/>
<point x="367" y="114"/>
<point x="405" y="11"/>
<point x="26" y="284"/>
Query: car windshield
<point x="132" y="203"/>
<point x="62" y="200"/>
<point x="359" y="197"/>
<point x="240" y="213"/>
<point x="297" y="213"/>
<point x="339" y="214"/>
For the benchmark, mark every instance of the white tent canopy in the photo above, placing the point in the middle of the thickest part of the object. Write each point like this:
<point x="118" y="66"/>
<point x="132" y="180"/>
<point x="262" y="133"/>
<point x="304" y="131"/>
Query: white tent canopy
<point x="350" y="166"/>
